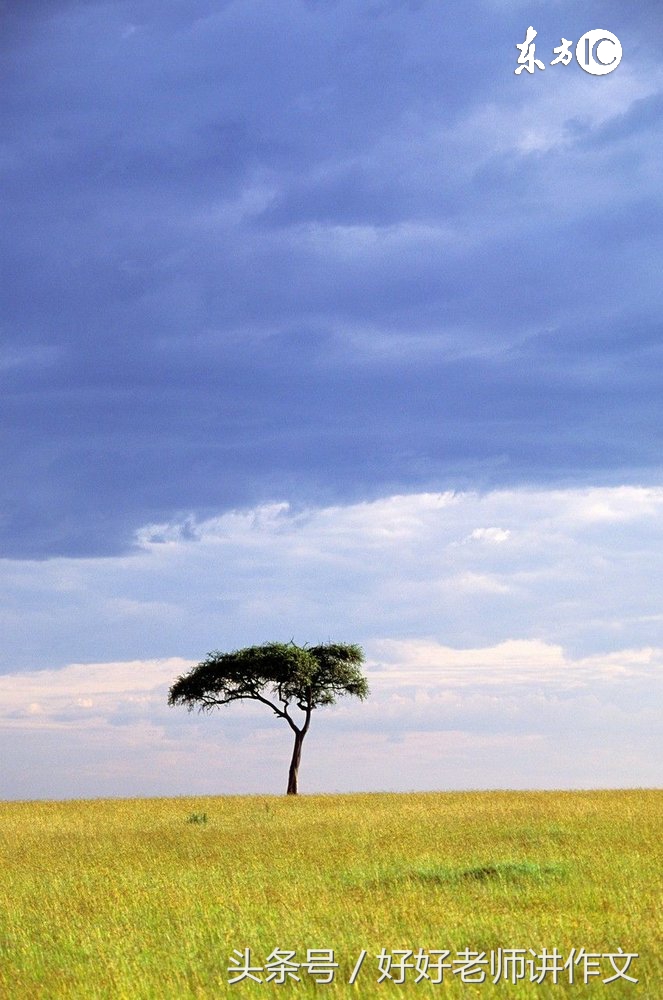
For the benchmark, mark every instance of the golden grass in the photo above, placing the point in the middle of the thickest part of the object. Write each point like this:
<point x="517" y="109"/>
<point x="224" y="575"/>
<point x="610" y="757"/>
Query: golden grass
<point x="135" y="899"/>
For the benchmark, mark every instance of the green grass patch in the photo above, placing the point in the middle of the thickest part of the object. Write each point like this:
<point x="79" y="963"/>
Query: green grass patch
<point x="147" y="899"/>
<point x="499" y="872"/>
<point x="197" y="819"/>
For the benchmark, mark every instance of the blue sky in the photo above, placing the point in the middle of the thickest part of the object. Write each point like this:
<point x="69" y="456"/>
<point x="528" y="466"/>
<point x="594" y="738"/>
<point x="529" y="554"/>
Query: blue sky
<point x="319" y="321"/>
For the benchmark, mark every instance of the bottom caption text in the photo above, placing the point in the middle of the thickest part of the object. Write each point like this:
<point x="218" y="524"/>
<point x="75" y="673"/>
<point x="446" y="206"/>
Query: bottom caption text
<point x="437" y="966"/>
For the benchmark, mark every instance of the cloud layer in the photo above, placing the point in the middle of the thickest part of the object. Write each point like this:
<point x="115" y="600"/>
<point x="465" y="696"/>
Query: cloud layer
<point x="520" y="714"/>
<point x="578" y="568"/>
<point x="319" y="251"/>
<point x="512" y="640"/>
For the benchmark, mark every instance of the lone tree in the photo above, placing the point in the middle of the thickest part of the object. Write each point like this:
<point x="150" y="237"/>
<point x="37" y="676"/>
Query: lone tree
<point x="281" y="676"/>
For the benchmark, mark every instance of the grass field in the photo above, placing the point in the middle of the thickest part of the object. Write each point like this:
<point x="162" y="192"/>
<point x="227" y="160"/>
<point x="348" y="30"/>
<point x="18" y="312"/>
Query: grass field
<point x="148" y="898"/>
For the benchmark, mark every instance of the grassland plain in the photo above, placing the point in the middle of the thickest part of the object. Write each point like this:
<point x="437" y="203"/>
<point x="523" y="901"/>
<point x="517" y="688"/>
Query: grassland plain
<point x="148" y="898"/>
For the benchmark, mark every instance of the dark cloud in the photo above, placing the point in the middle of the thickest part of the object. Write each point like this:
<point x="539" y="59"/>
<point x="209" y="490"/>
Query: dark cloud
<point x="263" y="250"/>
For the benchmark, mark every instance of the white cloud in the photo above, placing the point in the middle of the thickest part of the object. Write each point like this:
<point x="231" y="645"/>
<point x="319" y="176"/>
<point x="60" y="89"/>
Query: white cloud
<point x="495" y="535"/>
<point x="80" y="691"/>
<point x="517" y="661"/>
<point x="478" y="583"/>
<point x="574" y="567"/>
<point x="620" y="504"/>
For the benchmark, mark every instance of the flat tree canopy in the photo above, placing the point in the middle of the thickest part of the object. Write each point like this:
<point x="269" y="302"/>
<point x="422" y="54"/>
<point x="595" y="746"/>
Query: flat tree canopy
<point x="282" y="676"/>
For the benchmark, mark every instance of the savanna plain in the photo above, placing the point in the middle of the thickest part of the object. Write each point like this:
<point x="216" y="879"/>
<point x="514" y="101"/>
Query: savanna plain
<point x="148" y="898"/>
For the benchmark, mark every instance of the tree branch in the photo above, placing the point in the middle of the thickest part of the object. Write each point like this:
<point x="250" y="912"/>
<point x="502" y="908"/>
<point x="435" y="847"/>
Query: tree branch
<point x="282" y="713"/>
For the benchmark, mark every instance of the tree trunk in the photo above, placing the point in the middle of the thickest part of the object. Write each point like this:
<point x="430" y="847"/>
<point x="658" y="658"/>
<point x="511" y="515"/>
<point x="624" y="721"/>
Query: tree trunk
<point x="294" y="763"/>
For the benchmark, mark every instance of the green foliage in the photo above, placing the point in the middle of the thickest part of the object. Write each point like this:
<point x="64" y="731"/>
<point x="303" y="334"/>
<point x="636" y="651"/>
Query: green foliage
<point x="198" y="818"/>
<point x="280" y="674"/>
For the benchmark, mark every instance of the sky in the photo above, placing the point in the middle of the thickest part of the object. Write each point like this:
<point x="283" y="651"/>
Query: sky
<point x="319" y="321"/>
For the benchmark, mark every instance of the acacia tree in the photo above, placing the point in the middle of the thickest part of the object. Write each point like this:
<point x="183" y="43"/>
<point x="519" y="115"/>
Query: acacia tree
<point x="282" y="676"/>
